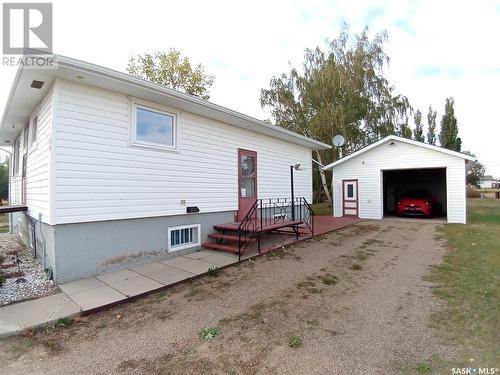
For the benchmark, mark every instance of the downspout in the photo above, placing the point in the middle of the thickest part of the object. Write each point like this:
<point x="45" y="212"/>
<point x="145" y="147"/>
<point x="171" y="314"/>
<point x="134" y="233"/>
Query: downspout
<point x="32" y="227"/>
<point x="43" y="240"/>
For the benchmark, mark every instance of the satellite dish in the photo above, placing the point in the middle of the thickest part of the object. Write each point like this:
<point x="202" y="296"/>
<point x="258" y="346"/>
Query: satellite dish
<point x="338" y="140"/>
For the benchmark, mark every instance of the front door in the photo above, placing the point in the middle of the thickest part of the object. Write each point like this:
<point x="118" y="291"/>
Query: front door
<point x="350" y="202"/>
<point x="247" y="181"/>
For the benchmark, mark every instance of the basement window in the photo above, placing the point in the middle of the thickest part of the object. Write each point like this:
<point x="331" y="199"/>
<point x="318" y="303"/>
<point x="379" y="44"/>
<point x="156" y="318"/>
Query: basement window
<point x="184" y="237"/>
<point x="153" y="127"/>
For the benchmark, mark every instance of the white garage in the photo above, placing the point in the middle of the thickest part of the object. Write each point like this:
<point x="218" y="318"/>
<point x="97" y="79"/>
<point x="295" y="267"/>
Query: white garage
<point x="369" y="183"/>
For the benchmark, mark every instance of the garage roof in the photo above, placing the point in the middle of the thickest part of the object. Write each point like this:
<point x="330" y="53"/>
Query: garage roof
<point x="24" y="97"/>
<point x="404" y="140"/>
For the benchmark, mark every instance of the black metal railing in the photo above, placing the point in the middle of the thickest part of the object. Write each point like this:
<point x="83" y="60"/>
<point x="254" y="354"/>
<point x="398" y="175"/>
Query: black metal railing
<point x="308" y="216"/>
<point x="267" y="215"/>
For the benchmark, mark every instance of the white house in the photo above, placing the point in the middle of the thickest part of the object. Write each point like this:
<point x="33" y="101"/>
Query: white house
<point x="486" y="182"/>
<point x="111" y="169"/>
<point x="367" y="182"/>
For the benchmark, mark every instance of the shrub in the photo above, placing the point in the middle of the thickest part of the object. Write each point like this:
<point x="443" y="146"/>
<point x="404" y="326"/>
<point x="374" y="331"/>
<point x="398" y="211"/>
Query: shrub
<point x="64" y="322"/>
<point x="328" y="279"/>
<point x="213" y="271"/>
<point x="295" y="342"/>
<point x="472" y="193"/>
<point x="209" y="333"/>
<point x="357" y="267"/>
<point x="3" y="279"/>
<point x="423" y="368"/>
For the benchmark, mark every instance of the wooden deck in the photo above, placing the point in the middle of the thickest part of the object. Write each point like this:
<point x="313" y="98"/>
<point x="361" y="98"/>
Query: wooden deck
<point x="254" y="227"/>
<point x="274" y="236"/>
<point x="14" y="208"/>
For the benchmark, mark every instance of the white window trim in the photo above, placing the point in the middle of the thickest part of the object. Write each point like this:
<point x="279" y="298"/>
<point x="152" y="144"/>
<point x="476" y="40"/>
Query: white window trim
<point x="134" y="104"/>
<point x="26" y="135"/>
<point x="186" y="246"/>
<point x="16" y="158"/>
<point x="32" y="145"/>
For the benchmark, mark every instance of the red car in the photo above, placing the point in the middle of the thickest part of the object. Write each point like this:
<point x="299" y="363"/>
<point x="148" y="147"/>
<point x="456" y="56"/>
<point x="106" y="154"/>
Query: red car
<point x="417" y="202"/>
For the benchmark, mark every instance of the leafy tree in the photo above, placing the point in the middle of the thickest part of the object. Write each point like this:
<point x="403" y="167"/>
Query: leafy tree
<point x="404" y="129"/>
<point x="4" y="180"/>
<point x="476" y="172"/>
<point x="448" y="137"/>
<point x="418" y="131"/>
<point x="341" y="90"/>
<point x="431" y="123"/>
<point x="172" y="70"/>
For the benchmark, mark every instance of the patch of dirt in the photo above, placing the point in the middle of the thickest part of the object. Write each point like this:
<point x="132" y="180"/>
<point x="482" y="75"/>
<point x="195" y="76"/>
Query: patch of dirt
<point x="25" y="280"/>
<point x="372" y="318"/>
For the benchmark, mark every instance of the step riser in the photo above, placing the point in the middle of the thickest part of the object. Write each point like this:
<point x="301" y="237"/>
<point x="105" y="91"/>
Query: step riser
<point x="224" y="248"/>
<point x="227" y="237"/>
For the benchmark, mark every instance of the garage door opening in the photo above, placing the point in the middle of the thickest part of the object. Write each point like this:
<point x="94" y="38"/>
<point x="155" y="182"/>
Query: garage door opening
<point x="401" y="183"/>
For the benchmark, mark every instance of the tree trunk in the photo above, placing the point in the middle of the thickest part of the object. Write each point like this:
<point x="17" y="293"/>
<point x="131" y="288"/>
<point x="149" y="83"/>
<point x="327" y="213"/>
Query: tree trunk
<point x="323" y="179"/>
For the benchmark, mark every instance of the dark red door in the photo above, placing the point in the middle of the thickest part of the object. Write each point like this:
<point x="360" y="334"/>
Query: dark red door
<point x="247" y="181"/>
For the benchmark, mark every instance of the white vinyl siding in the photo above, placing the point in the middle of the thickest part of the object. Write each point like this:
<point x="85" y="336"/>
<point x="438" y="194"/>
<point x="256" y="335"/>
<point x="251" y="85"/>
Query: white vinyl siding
<point x="38" y="162"/>
<point x="100" y="176"/>
<point x="38" y="159"/>
<point x="368" y="167"/>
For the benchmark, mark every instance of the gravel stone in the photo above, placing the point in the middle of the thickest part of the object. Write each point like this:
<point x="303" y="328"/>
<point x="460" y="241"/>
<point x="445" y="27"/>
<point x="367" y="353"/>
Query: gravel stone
<point x="36" y="282"/>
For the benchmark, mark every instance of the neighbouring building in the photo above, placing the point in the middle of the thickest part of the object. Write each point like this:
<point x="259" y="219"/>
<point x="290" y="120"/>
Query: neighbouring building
<point x="486" y="182"/>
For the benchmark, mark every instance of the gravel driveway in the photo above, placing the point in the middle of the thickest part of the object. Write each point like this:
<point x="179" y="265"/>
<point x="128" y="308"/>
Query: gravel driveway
<point x="355" y="298"/>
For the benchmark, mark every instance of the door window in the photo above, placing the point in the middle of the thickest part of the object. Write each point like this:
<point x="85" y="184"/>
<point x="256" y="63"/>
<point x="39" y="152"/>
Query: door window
<point x="247" y="176"/>
<point x="350" y="191"/>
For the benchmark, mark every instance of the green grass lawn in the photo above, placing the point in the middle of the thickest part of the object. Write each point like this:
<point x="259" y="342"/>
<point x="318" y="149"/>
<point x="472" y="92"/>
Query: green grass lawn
<point x="4" y="221"/>
<point x="322" y="209"/>
<point x="469" y="280"/>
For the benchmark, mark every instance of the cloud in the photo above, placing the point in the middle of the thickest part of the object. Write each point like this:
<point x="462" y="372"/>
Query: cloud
<point x="372" y="14"/>
<point x="434" y="70"/>
<point x="437" y="48"/>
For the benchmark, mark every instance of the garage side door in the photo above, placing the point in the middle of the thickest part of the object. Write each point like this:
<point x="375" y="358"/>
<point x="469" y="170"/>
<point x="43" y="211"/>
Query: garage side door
<point x="350" y="201"/>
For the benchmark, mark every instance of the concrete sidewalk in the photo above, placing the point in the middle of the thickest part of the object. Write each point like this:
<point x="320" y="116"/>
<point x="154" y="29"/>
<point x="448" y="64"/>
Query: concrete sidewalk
<point x="108" y="289"/>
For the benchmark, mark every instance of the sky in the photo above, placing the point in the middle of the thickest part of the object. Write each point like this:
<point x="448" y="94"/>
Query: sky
<point x="437" y="49"/>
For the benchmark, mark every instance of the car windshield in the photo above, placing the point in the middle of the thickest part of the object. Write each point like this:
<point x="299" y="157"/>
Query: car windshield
<point x="417" y="194"/>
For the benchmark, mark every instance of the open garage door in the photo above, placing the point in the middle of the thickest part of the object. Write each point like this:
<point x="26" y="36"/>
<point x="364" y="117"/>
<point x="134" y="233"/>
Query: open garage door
<point x="401" y="183"/>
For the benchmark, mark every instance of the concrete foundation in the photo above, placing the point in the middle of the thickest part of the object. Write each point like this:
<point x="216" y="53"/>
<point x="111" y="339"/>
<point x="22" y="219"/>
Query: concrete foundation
<point x="38" y="236"/>
<point x="74" y="251"/>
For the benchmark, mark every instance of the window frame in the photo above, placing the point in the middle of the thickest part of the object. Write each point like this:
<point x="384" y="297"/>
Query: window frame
<point x="196" y="237"/>
<point x="16" y="157"/>
<point x="26" y="135"/>
<point x="33" y="142"/>
<point x="147" y="106"/>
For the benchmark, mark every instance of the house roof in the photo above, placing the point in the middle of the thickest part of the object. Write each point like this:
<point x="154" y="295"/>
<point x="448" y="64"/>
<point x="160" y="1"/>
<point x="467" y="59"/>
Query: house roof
<point x="23" y="99"/>
<point x="400" y="139"/>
